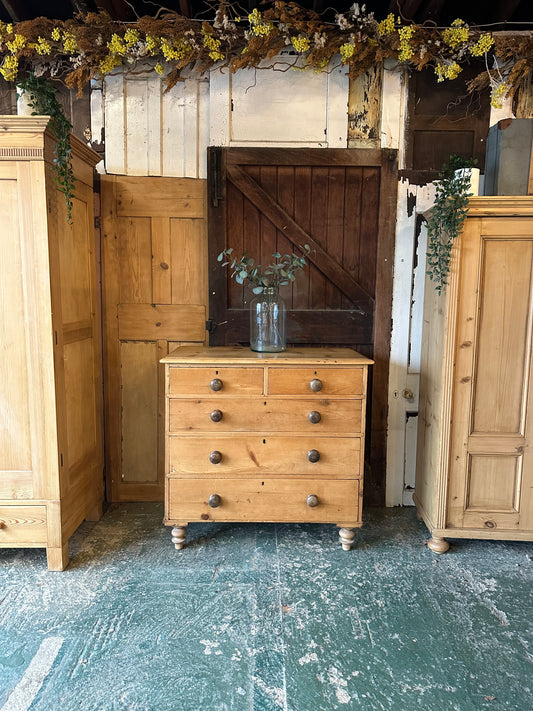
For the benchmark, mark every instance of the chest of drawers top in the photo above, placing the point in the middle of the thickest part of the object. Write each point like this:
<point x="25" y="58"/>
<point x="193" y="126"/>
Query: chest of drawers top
<point x="234" y="371"/>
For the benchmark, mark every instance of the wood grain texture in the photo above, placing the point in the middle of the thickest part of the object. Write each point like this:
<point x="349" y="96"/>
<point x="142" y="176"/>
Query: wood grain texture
<point x="51" y="445"/>
<point x="473" y="467"/>
<point x="154" y="292"/>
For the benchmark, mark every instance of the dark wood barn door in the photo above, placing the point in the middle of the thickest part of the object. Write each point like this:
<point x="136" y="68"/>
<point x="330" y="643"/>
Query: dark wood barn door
<point x="342" y="202"/>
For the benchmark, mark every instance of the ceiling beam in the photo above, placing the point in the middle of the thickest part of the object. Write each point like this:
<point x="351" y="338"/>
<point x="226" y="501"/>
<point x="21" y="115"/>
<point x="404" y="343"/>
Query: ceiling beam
<point x="13" y="9"/>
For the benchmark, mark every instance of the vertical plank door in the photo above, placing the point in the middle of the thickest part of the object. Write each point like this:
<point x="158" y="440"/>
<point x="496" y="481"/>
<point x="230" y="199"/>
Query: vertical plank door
<point x="342" y="202"/>
<point x="154" y="295"/>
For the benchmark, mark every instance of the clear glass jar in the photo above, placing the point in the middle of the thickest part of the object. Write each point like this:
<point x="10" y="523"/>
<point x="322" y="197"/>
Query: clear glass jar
<point x="268" y="319"/>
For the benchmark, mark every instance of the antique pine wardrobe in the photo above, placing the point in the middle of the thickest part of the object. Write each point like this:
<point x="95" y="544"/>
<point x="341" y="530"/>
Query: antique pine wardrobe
<point x="474" y="474"/>
<point x="50" y="393"/>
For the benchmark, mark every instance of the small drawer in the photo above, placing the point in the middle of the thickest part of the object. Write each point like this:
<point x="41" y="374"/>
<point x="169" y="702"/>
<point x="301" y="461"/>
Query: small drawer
<point x="23" y="524"/>
<point x="264" y="500"/>
<point x="301" y="416"/>
<point x="215" y="381"/>
<point x="227" y="455"/>
<point x="318" y="382"/>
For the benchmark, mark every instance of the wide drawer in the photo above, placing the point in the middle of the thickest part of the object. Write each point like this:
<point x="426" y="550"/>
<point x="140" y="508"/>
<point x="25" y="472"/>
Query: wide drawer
<point x="265" y="415"/>
<point x="205" y="380"/>
<point x="263" y="500"/>
<point x="319" y="381"/>
<point x="259" y="456"/>
<point x="23" y="524"/>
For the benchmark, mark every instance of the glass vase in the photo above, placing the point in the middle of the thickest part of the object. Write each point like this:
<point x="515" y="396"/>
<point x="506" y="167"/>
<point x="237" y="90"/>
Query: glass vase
<point x="268" y="318"/>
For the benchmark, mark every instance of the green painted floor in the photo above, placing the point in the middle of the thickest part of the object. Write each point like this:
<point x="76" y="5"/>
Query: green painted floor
<point x="257" y="617"/>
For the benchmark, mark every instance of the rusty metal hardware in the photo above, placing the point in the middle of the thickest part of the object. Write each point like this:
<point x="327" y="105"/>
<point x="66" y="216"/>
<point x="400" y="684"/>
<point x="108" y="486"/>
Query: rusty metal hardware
<point x="312" y="500"/>
<point x="216" y="384"/>
<point x="216" y="415"/>
<point x="314" y="417"/>
<point x="315" y="385"/>
<point x="313" y="455"/>
<point x="214" y="501"/>
<point x="215" y="457"/>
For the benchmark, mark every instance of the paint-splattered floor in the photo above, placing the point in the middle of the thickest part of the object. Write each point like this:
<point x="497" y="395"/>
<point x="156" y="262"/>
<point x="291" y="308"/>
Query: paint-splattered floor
<point x="264" y="617"/>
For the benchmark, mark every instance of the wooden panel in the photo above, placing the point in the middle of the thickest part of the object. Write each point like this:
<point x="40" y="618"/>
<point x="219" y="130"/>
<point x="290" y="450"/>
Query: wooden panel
<point x="282" y="414"/>
<point x="24" y="525"/>
<point x="268" y="500"/>
<point x="493" y="483"/>
<point x="82" y="419"/>
<point x="15" y="442"/>
<point x="76" y="252"/>
<point x="139" y="402"/>
<point x="160" y="197"/>
<point x="297" y="381"/>
<point x="196" y="381"/>
<point x="251" y="456"/>
<point x="189" y="262"/>
<point x="141" y="322"/>
<point x="154" y="291"/>
<point x="504" y="335"/>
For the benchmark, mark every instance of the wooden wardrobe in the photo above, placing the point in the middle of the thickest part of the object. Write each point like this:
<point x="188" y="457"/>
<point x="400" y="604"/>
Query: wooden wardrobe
<point x="51" y="467"/>
<point x="474" y="475"/>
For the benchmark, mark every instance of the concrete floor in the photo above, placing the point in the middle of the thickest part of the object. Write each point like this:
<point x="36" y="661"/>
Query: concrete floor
<point x="266" y="617"/>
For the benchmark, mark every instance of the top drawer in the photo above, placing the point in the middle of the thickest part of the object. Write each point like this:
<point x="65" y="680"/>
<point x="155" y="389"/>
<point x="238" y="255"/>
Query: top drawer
<point x="215" y="381"/>
<point x="324" y="382"/>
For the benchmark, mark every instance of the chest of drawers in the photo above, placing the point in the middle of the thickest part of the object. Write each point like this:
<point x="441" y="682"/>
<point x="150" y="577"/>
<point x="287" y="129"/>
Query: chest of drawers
<point x="264" y="437"/>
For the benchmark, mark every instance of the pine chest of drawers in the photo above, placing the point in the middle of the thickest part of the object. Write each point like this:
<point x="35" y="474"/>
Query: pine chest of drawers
<point x="264" y="437"/>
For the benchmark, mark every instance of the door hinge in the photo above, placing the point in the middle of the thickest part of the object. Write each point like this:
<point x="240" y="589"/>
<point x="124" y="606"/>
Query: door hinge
<point x="215" y="176"/>
<point x="97" y="222"/>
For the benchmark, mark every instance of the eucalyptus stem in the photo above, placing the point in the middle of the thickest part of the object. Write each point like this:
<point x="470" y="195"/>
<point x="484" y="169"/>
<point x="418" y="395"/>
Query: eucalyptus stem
<point x="447" y="217"/>
<point x="42" y="97"/>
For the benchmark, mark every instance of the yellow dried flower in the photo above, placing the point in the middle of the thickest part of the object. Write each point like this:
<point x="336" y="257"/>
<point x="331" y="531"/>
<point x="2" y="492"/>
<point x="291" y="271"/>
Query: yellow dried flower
<point x="347" y="50"/>
<point x="213" y="45"/>
<point x="448" y="70"/>
<point x="131" y="37"/>
<point x="300" y="43"/>
<point x="258" y="26"/>
<point x="152" y="44"/>
<point x="56" y="34"/>
<point x="116" y="45"/>
<point x="160" y="69"/>
<point x="497" y="94"/>
<point x="9" y="68"/>
<point x="109" y="63"/>
<point x="175" y="49"/>
<point x="18" y="42"/>
<point x="405" y="51"/>
<point x="43" y="46"/>
<point x="386" y="26"/>
<point x="482" y="46"/>
<point x="456" y="34"/>
<point x="9" y="28"/>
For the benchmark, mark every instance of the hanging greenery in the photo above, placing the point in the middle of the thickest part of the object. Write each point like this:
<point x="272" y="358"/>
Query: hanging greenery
<point x="447" y="217"/>
<point x="42" y="99"/>
<point x="92" y="45"/>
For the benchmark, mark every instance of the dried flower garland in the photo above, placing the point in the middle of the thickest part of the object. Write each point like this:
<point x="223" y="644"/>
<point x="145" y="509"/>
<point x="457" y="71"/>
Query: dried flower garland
<point x="93" y="45"/>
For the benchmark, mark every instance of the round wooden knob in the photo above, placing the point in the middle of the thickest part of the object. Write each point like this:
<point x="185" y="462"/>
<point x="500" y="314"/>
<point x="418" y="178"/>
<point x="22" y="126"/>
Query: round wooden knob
<point x="313" y="455"/>
<point x="215" y="457"/>
<point x="216" y="384"/>
<point x="314" y="417"/>
<point x="216" y="415"/>
<point x="312" y="500"/>
<point x="214" y="501"/>
<point x="315" y="385"/>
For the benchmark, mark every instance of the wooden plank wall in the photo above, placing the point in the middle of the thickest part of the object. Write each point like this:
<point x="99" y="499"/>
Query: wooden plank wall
<point x="154" y="264"/>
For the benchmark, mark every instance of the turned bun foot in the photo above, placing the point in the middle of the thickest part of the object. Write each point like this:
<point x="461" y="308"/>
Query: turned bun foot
<point x="346" y="536"/>
<point x="438" y="545"/>
<point x="178" y="536"/>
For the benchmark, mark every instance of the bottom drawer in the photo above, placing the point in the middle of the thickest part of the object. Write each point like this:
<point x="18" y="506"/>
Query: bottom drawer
<point x="23" y="524"/>
<point x="267" y="500"/>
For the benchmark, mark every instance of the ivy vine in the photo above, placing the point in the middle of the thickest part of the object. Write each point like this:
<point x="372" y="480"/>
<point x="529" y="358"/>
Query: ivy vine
<point x="447" y="216"/>
<point x="42" y="97"/>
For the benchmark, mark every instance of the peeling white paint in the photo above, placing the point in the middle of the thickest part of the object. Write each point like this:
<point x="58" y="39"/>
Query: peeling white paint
<point x="28" y="687"/>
